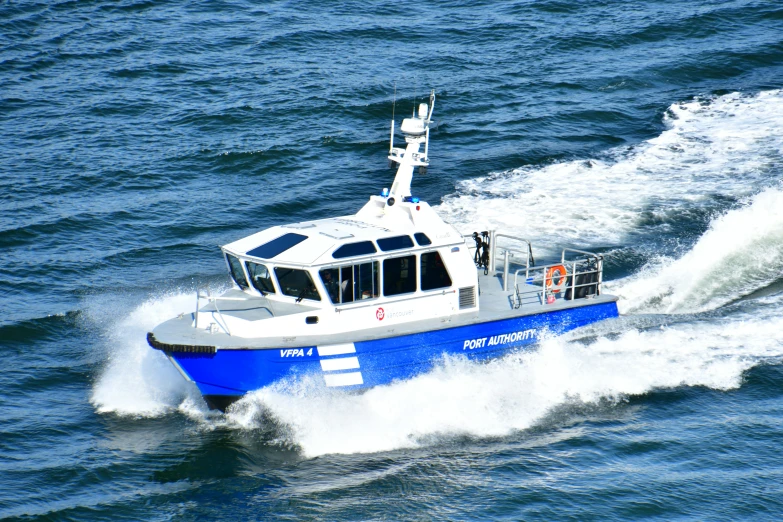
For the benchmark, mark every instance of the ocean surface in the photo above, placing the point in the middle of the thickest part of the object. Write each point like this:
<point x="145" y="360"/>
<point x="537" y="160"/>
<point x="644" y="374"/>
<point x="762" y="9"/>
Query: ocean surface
<point x="139" y="136"/>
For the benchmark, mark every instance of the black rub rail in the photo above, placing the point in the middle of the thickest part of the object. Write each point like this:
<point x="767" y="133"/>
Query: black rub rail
<point x="165" y="347"/>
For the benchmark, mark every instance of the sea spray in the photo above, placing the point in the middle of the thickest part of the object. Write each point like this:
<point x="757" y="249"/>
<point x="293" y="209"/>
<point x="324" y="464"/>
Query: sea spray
<point x="137" y="380"/>
<point x="596" y="200"/>
<point x="463" y="398"/>
<point x="741" y="252"/>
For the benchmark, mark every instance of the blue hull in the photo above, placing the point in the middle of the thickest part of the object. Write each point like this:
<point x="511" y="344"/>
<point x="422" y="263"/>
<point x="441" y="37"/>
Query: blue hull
<point x="229" y="374"/>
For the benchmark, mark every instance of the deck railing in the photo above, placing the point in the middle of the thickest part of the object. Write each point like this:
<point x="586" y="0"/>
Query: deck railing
<point x="213" y="299"/>
<point x="519" y="249"/>
<point x="579" y="276"/>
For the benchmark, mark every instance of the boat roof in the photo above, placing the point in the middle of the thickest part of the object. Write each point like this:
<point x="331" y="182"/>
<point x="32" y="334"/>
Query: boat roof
<point x="309" y="243"/>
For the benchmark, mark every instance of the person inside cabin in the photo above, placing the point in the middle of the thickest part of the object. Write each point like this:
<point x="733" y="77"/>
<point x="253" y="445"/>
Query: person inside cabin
<point x="338" y="289"/>
<point x="332" y="286"/>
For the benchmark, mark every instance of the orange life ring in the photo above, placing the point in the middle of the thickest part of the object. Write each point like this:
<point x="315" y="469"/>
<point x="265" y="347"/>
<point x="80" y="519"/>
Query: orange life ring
<point x="555" y="271"/>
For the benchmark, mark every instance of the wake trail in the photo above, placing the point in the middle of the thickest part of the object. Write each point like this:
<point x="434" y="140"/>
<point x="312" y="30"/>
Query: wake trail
<point x="728" y="146"/>
<point x="459" y="397"/>
<point x="741" y="252"/>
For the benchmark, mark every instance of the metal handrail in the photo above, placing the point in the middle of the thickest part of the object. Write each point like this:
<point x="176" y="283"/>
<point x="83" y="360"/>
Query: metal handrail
<point x="507" y="252"/>
<point x="496" y="236"/>
<point x="599" y="259"/>
<point x="541" y="292"/>
<point x="584" y="252"/>
<point x="214" y="300"/>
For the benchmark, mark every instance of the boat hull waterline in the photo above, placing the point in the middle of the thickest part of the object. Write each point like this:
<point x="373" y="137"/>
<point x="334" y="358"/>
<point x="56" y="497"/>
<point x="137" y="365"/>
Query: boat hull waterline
<point x="226" y="375"/>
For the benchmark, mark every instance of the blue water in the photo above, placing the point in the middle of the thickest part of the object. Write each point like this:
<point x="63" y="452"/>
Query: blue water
<point x="138" y="137"/>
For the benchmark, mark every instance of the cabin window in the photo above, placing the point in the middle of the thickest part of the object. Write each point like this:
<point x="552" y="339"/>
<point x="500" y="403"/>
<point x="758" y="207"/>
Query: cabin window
<point x="399" y="275"/>
<point x="330" y="277"/>
<point x="395" y="243"/>
<point x="360" y="248"/>
<point x="422" y="239"/>
<point x="351" y="283"/>
<point x="260" y="277"/>
<point x="433" y="272"/>
<point x="235" y="269"/>
<point x="296" y="283"/>
<point x="277" y="246"/>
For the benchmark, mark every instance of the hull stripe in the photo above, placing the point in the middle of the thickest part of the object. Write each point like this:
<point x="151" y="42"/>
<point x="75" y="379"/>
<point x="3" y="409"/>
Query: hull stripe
<point x="336" y="349"/>
<point x="345" y="363"/>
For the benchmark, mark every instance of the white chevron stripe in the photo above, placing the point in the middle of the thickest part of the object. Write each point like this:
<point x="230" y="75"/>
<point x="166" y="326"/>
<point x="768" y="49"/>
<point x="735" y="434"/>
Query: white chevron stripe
<point x="343" y="379"/>
<point x="344" y="363"/>
<point x="336" y="349"/>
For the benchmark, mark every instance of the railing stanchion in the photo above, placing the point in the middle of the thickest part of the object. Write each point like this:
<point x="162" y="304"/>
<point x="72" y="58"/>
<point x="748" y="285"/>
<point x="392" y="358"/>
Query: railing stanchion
<point x="600" y="274"/>
<point x="198" y="302"/>
<point x="573" y="281"/>
<point x="493" y="252"/>
<point x="505" y="270"/>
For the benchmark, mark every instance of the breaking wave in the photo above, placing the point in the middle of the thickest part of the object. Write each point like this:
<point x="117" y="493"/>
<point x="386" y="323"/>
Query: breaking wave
<point x="137" y="380"/>
<point x="741" y="252"/>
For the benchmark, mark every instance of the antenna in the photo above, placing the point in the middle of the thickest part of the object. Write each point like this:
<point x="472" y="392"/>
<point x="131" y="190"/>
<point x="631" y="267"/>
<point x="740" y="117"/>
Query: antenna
<point x="416" y="131"/>
<point x="394" y="99"/>
<point x="394" y="104"/>
<point x="427" y="137"/>
<point x="415" y="86"/>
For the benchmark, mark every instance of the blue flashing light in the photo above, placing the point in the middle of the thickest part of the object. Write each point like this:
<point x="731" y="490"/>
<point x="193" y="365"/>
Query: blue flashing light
<point x="385" y="192"/>
<point x="415" y="199"/>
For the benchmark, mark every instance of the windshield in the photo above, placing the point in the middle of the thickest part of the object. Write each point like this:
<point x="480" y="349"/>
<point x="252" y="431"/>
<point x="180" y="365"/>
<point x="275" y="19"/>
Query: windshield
<point x="296" y="283"/>
<point x="260" y="278"/>
<point x="235" y="269"/>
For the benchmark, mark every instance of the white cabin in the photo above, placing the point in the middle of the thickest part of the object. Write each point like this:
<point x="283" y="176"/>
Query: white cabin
<point x="393" y="261"/>
<point x="359" y="267"/>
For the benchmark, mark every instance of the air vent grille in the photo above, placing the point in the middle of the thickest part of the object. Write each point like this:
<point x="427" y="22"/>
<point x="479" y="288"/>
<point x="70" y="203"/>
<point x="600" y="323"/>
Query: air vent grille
<point x="467" y="297"/>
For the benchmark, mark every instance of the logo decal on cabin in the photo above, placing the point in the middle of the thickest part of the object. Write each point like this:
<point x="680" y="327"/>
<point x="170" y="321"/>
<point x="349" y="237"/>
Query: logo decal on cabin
<point x="380" y="314"/>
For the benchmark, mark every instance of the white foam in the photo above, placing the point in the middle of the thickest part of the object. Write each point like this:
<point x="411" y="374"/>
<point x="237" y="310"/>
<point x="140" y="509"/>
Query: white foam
<point x="457" y="398"/>
<point x="716" y="145"/>
<point x="514" y="393"/>
<point x="137" y="380"/>
<point x="742" y="251"/>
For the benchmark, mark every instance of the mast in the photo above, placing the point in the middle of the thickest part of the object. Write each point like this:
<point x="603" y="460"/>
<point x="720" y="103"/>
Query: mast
<point x="416" y="130"/>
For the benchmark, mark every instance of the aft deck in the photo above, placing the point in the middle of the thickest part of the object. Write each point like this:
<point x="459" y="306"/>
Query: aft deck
<point x="492" y="298"/>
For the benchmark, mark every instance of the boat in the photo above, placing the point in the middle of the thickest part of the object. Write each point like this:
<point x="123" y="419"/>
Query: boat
<point x="376" y="297"/>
